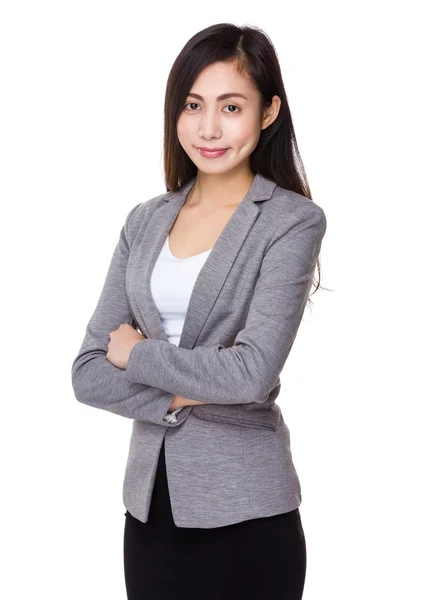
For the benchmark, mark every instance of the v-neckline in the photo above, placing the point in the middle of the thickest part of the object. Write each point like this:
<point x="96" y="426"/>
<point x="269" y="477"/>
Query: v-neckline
<point x="188" y="257"/>
<point x="215" y="266"/>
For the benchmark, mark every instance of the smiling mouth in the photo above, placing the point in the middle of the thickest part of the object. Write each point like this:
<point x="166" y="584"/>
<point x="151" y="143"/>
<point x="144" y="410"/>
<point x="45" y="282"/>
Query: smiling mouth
<point x="211" y="153"/>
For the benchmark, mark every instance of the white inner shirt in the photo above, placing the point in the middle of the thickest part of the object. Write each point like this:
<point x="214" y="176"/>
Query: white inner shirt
<point x="172" y="284"/>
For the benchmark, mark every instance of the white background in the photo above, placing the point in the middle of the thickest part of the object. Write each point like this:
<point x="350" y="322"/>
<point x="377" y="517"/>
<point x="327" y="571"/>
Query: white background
<point x="81" y="136"/>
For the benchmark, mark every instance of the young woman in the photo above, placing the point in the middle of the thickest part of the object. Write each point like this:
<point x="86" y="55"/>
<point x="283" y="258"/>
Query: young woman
<point x="201" y="305"/>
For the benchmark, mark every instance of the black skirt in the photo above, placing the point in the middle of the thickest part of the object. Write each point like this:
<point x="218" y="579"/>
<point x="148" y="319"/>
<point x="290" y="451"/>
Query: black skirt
<point x="262" y="558"/>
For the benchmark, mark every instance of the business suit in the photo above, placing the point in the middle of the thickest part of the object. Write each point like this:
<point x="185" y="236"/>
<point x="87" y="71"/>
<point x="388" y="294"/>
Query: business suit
<point x="229" y="460"/>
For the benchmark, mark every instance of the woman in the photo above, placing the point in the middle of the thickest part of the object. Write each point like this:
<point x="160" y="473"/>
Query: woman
<point x="217" y="273"/>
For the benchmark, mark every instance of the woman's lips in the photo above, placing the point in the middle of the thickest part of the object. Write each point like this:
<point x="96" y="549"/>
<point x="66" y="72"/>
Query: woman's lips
<point x="214" y="154"/>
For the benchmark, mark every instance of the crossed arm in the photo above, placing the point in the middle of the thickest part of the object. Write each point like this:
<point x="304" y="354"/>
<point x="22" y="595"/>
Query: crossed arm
<point x="158" y="372"/>
<point x="121" y="342"/>
<point x="96" y="381"/>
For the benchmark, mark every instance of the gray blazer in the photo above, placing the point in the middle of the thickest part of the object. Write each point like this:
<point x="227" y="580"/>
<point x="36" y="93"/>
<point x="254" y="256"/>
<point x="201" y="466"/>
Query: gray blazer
<point x="229" y="460"/>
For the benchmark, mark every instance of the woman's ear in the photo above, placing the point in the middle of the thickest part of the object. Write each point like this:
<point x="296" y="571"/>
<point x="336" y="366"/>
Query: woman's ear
<point x="271" y="112"/>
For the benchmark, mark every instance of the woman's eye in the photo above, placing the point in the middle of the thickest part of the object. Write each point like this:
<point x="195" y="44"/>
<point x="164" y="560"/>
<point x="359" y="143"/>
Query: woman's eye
<point x="195" y="104"/>
<point x="191" y="104"/>
<point x="233" y="107"/>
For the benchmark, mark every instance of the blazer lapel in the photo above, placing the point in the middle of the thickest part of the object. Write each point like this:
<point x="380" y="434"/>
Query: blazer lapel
<point x="214" y="271"/>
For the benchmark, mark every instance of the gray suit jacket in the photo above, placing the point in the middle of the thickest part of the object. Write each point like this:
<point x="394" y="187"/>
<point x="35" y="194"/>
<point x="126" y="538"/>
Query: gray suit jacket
<point x="229" y="460"/>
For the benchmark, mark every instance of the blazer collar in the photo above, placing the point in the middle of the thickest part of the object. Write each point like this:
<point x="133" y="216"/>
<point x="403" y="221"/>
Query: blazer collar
<point x="212" y="274"/>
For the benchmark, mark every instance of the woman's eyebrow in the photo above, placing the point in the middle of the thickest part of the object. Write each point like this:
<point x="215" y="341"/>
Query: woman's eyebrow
<point x="222" y="97"/>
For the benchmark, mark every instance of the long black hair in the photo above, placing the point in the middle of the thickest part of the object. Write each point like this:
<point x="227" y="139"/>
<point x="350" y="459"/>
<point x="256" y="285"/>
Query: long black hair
<point x="251" y="51"/>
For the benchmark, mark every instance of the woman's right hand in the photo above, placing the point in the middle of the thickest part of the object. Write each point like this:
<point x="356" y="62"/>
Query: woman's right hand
<point x="180" y="401"/>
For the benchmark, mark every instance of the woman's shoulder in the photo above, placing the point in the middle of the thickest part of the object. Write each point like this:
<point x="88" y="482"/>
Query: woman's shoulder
<point x="144" y="209"/>
<point x="287" y="208"/>
<point x="139" y="213"/>
<point x="290" y="201"/>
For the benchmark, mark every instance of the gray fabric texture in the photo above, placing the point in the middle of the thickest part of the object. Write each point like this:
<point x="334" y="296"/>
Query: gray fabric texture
<point x="228" y="460"/>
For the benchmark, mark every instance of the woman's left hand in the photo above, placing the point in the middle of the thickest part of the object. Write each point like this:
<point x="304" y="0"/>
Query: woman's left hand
<point x="122" y="341"/>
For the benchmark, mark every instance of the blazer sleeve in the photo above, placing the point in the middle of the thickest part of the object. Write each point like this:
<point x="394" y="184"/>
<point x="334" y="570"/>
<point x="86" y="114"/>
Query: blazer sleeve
<point x="247" y="371"/>
<point x="95" y="380"/>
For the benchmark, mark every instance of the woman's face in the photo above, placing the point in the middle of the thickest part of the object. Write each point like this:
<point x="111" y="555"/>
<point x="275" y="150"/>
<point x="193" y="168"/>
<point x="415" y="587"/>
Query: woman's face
<point x="233" y="122"/>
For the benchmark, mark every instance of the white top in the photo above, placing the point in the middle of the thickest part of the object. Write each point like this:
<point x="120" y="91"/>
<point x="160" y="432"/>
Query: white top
<point x="172" y="283"/>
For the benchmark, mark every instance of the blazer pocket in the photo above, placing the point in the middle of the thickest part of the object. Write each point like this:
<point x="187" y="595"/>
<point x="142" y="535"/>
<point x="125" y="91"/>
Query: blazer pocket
<point x="254" y="423"/>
